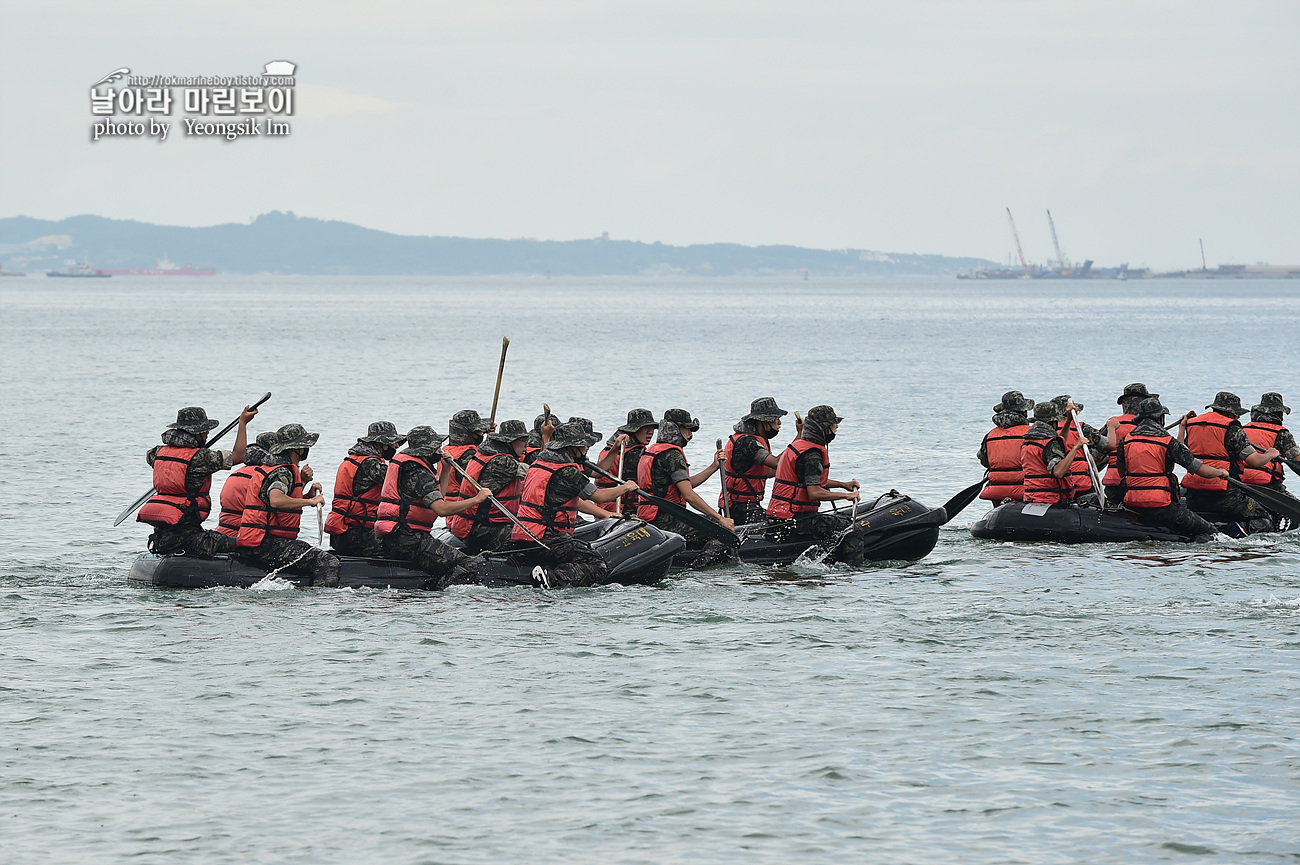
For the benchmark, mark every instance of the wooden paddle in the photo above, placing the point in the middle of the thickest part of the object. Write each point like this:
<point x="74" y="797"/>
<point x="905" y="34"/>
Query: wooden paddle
<point x="726" y="499"/>
<point x="501" y="368"/>
<point x="138" y="503"/>
<point x="699" y="521"/>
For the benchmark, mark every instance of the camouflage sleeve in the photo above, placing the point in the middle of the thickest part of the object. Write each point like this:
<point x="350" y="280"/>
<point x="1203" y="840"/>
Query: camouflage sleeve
<point x="1287" y="445"/>
<point x="809" y="468"/>
<point x="1183" y="456"/>
<point x="151" y="454"/>
<point x="280" y="478"/>
<point x="1095" y="437"/>
<point x="674" y="462"/>
<point x="1236" y="443"/>
<point x="419" y="483"/>
<point x="499" y="473"/>
<point x="209" y="462"/>
<point x="746" y="453"/>
<point x="370" y="474"/>
<point x="568" y="483"/>
<point x="631" y="459"/>
<point x="983" y="453"/>
<point x="1054" y="452"/>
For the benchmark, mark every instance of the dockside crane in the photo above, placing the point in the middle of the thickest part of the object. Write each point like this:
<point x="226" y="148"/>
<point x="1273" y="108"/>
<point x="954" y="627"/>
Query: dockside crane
<point x="1015" y="235"/>
<point x="1061" y="261"/>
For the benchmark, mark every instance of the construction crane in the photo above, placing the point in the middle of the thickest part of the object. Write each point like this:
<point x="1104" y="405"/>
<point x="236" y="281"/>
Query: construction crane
<point x="1060" y="256"/>
<point x="1015" y="235"/>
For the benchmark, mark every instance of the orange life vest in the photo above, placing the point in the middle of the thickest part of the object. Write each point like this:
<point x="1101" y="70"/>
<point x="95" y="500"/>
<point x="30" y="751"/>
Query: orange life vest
<point x="1078" y="477"/>
<point x="789" y="492"/>
<point x="1205" y="439"/>
<point x="1264" y="436"/>
<point x="259" y="518"/>
<point x="1006" y="477"/>
<point x="463" y="523"/>
<point x="748" y="486"/>
<point x="348" y="511"/>
<point x="455" y="452"/>
<point x="632" y="451"/>
<point x="533" y="511"/>
<point x="172" y="502"/>
<point x="1126" y="424"/>
<point x="233" y="494"/>
<point x="1040" y="484"/>
<point x="1146" y="467"/>
<point x="645" y="510"/>
<point x="396" y="511"/>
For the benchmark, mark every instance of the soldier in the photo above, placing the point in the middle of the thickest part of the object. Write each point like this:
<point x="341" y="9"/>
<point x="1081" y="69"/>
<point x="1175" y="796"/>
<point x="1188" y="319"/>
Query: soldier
<point x="182" y="480"/>
<point x="411" y="501"/>
<point x="465" y="433"/>
<point x="1217" y="438"/>
<point x="633" y="437"/>
<point x="1117" y="428"/>
<point x="1078" y="476"/>
<point x="1044" y="458"/>
<point x="235" y="490"/>
<point x="1000" y="450"/>
<point x="1145" y="460"/>
<point x="268" y="531"/>
<point x="1265" y="431"/>
<point x="664" y="471"/>
<point x="357" y="486"/>
<point x="498" y="467"/>
<point x="802" y="482"/>
<point x="553" y="490"/>
<point x="749" y="460"/>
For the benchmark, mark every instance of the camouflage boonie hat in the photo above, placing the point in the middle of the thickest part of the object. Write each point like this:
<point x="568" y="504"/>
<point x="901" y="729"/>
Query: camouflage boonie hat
<point x="1047" y="412"/>
<point x="266" y="440"/>
<point x="468" y="421"/>
<point x="824" y="416"/>
<point x="541" y="418"/>
<point x="1151" y="407"/>
<point x="1064" y="401"/>
<point x="508" y="431"/>
<point x="293" y="436"/>
<point x="572" y="435"/>
<point x="586" y="424"/>
<point x="384" y="433"/>
<point x="1271" y="403"/>
<point x="193" y="419"/>
<point x="765" y="409"/>
<point x="1014" y="400"/>
<point x="1135" y="389"/>
<point x="638" y="419"/>
<point x="1228" y="403"/>
<point x="682" y="418"/>
<point x="424" y="441"/>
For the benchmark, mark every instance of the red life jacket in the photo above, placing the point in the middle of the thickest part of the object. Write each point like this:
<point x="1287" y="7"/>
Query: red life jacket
<point x="1006" y="477"/>
<point x="533" y="511"/>
<point x="1079" y="478"/>
<point x="259" y="518"/>
<point x="1205" y="439"/>
<point x="1126" y="424"/>
<point x="396" y="511"/>
<point x="1264" y="436"/>
<point x="605" y="483"/>
<point x="789" y="492"/>
<point x="1040" y="484"/>
<point x="1146" y="467"/>
<point x="463" y="523"/>
<point x="645" y="510"/>
<point x="233" y="494"/>
<point x="172" y="502"/>
<point x="455" y="452"/>
<point x="748" y="486"/>
<point x="347" y="511"/>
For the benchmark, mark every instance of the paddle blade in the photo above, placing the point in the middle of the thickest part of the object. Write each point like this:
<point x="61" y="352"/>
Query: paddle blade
<point x="1278" y="503"/>
<point x="706" y="526"/>
<point x="134" y="506"/>
<point x="958" y="503"/>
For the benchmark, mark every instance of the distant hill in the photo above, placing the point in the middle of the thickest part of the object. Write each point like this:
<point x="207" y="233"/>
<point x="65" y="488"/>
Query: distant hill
<point x="283" y="243"/>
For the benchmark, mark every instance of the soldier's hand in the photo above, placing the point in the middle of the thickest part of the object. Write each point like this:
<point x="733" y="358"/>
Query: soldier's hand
<point x="1272" y="453"/>
<point x="482" y="494"/>
<point x="622" y="440"/>
<point x="247" y="414"/>
<point x="727" y="523"/>
<point x="317" y="500"/>
<point x="314" y="491"/>
<point x="628" y="487"/>
<point x="853" y="485"/>
<point x="307" y="474"/>
<point x="720" y="457"/>
<point x="1221" y="473"/>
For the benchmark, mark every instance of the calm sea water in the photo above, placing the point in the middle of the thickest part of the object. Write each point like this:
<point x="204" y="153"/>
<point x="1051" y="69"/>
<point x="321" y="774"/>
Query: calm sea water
<point x="992" y="703"/>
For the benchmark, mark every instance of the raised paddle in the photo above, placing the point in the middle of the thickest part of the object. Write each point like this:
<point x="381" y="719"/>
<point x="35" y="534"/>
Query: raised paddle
<point x="1273" y="500"/>
<point x="958" y="503"/>
<point x="726" y="499"/>
<point x="618" y="503"/>
<point x="699" y="521"/>
<point x="138" y="503"/>
<point x="501" y="368"/>
<point x="493" y="499"/>
<point x="1092" y="468"/>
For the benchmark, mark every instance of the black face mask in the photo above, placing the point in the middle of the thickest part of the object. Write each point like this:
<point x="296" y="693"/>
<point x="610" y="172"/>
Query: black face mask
<point x="828" y="436"/>
<point x="304" y="452"/>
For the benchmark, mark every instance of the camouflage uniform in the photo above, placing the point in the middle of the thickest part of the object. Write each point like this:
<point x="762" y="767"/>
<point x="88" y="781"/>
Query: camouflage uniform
<point x="416" y="483"/>
<point x="1176" y="517"/>
<point x="747" y="452"/>
<point x="670" y="469"/>
<point x="188" y="537"/>
<point x="501" y="470"/>
<point x="360" y="540"/>
<point x="1232" y="504"/>
<point x="569" y="561"/>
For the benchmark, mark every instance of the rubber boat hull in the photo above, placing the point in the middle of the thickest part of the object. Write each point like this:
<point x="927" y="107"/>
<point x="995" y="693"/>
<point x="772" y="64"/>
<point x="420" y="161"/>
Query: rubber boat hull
<point x="1068" y="525"/>
<point x="636" y="554"/>
<point x="895" y="528"/>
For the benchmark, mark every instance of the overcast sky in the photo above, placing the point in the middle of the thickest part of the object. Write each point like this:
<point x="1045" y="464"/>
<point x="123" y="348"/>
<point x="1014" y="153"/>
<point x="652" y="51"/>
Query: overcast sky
<point x="903" y="127"/>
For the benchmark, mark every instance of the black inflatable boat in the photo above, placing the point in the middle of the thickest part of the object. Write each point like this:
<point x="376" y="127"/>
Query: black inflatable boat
<point x="893" y="528"/>
<point x="1020" y="521"/>
<point x="636" y="553"/>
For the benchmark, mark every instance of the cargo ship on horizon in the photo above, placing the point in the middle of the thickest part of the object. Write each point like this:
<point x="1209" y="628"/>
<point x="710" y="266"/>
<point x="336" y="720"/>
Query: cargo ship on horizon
<point x="164" y="268"/>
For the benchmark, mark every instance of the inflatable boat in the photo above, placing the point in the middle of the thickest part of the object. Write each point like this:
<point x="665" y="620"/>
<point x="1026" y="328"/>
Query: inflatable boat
<point x="636" y="554"/>
<point x="893" y="528"/>
<point x="1021" y="521"/>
